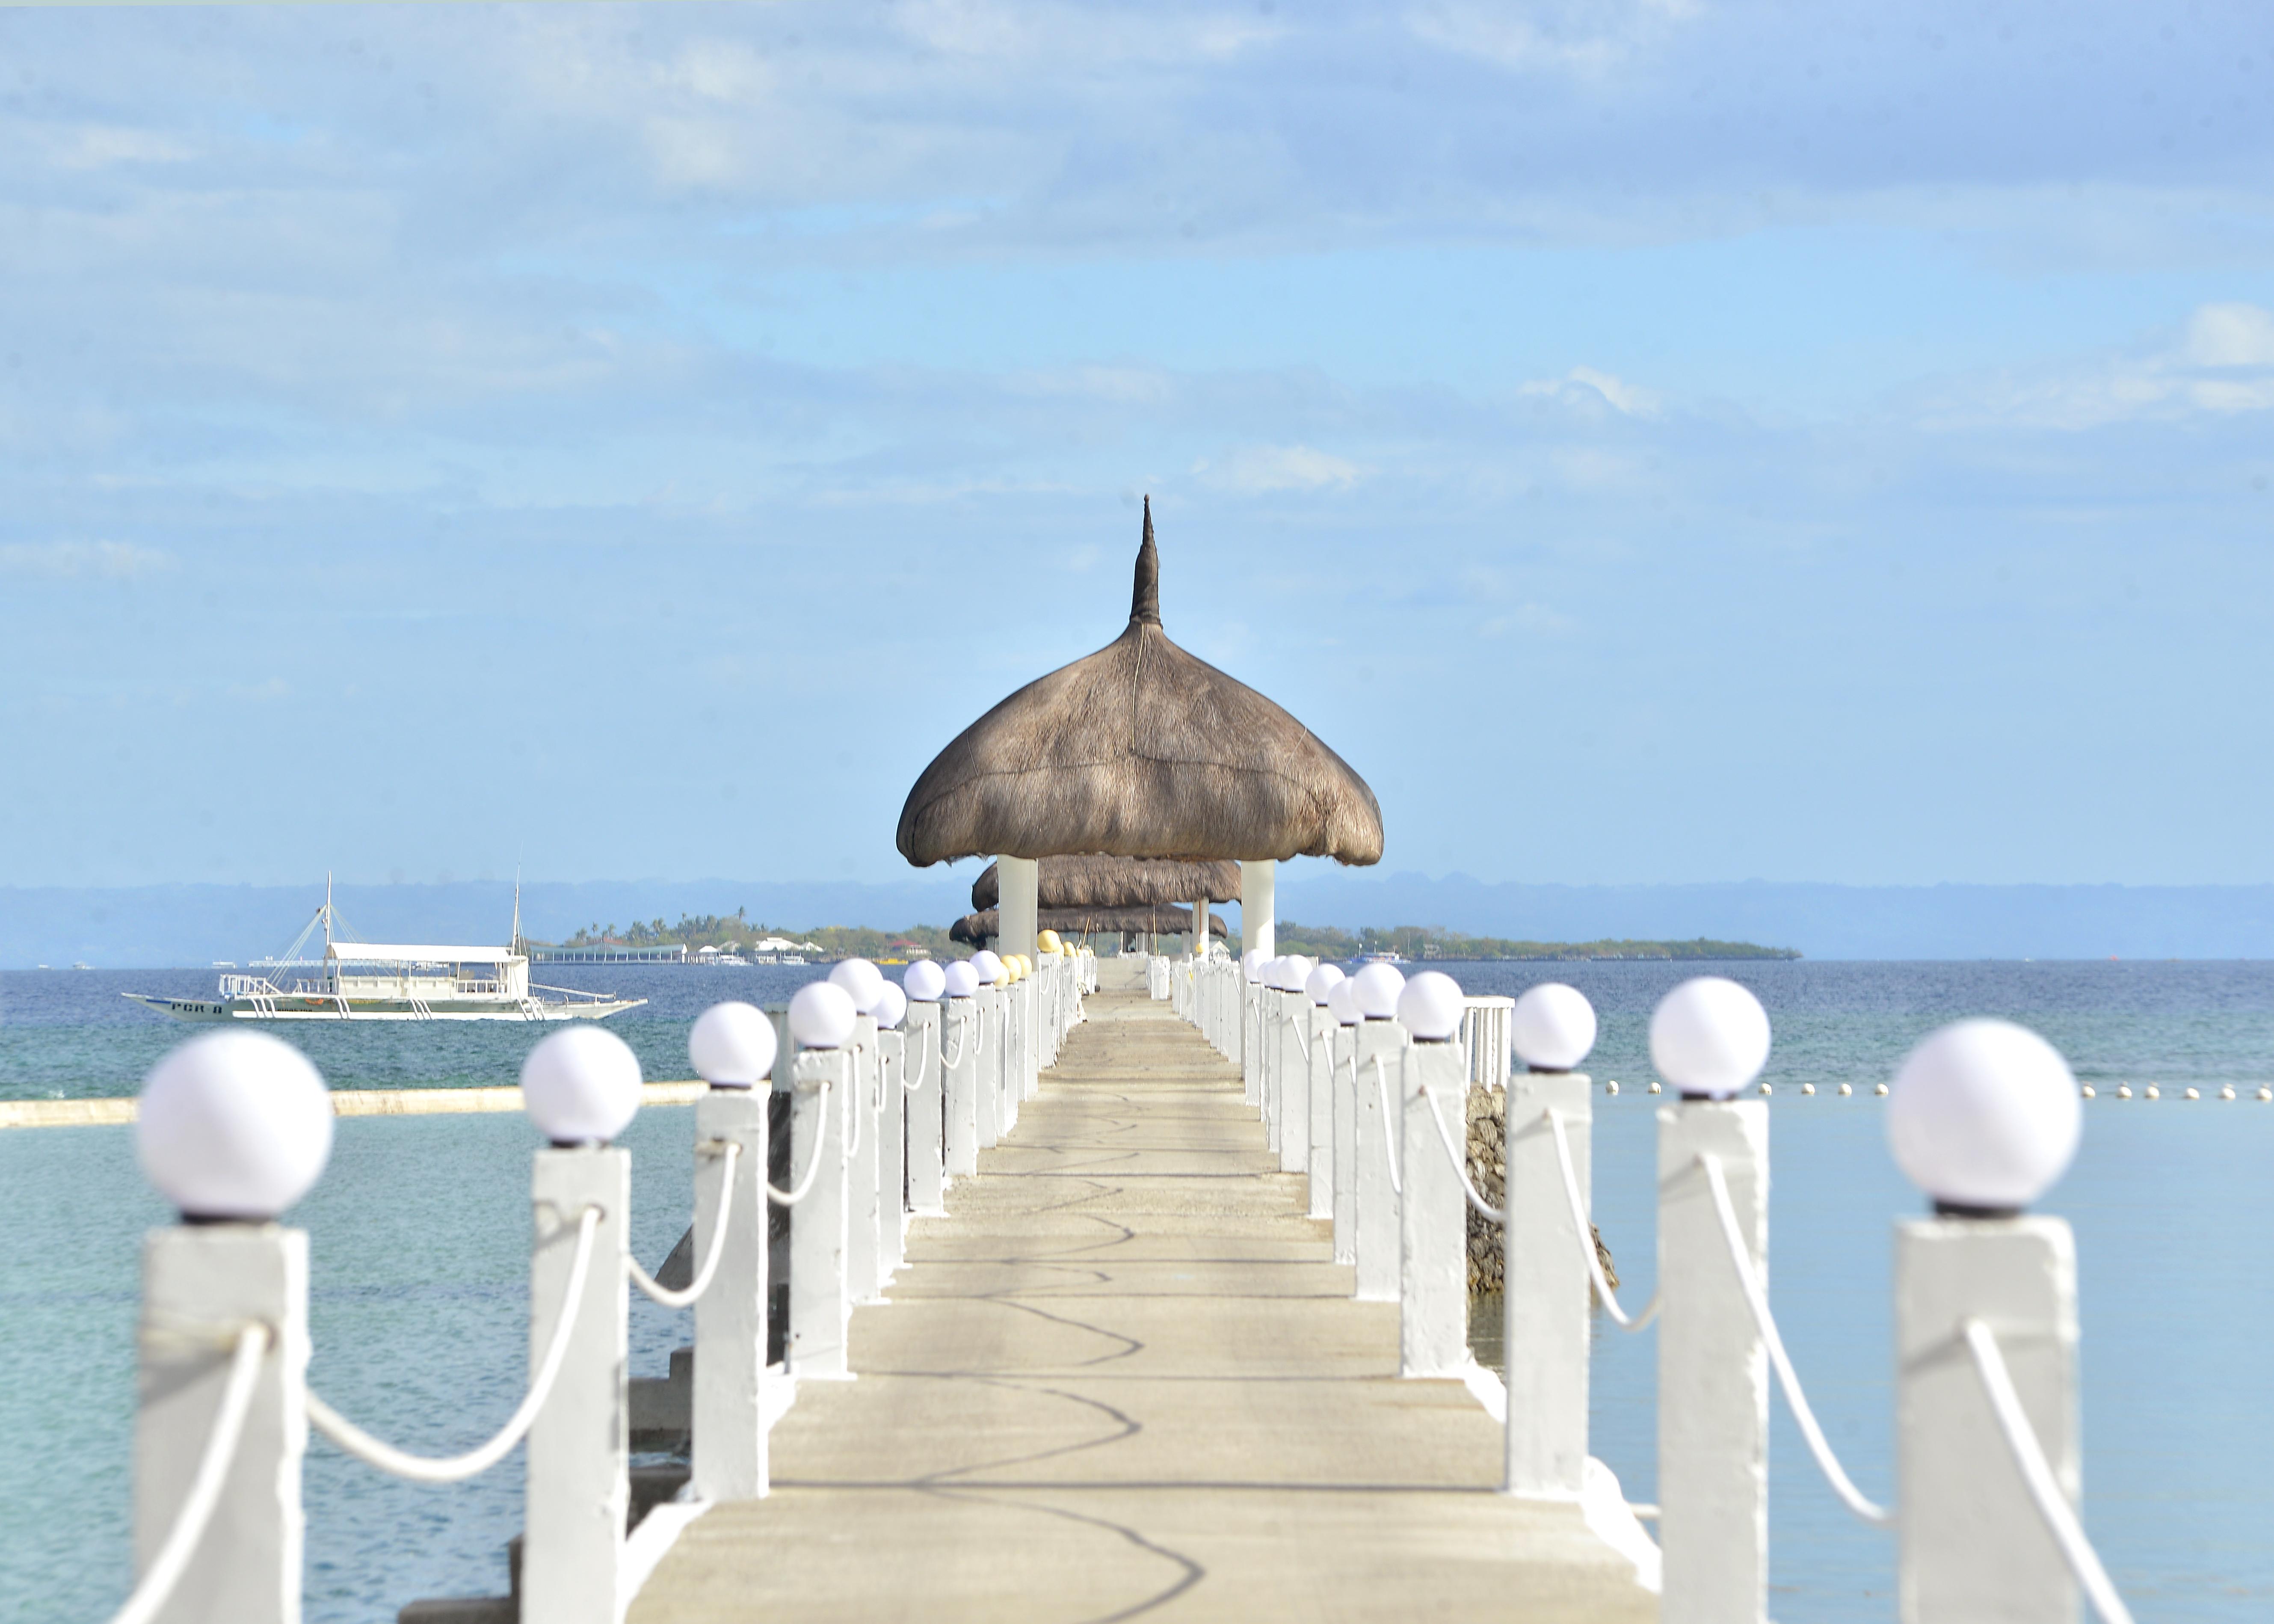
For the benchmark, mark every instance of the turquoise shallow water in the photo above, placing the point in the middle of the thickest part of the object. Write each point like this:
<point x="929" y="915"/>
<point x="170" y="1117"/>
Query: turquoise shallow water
<point x="420" y="1233"/>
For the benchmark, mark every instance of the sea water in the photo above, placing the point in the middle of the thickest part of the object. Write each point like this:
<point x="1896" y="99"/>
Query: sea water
<point x="419" y="1234"/>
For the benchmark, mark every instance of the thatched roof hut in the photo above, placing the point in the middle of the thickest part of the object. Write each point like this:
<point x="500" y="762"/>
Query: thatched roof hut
<point x="1140" y="750"/>
<point x="1117" y="882"/>
<point x="1160" y="920"/>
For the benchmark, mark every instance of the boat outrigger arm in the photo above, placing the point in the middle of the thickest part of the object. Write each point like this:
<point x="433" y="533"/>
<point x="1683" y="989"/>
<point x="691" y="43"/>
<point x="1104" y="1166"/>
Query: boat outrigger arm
<point x="389" y="981"/>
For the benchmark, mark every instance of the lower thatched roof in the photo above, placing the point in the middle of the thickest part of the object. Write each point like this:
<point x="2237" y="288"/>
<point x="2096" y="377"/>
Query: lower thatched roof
<point x="1117" y="882"/>
<point x="1161" y="919"/>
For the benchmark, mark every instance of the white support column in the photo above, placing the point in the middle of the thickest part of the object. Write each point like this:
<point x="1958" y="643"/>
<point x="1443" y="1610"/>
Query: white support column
<point x="1259" y="913"/>
<point x="1972" y="1545"/>
<point x="730" y="1317"/>
<point x="864" y="1142"/>
<point x="1433" y="1234"/>
<point x="1019" y="880"/>
<point x="1200" y="933"/>
<point x="579" y="1448"/>
<point x="200" y="1284"/>
<point x="927" y="1112"/>
<point x="961" y="1023"/>
<point x="891" y="1156"/>
<point x="993" y="1041"/>
<point x="819" y="1306"/>
<point x="1712" y="1371"/>
<point x="1319" y="1084"/>
<point x="1345" y="1065"/>
<point x="1380" y="1264"/>
<point x="1547" y="1286"/>
<point x="1294" y="1083"/>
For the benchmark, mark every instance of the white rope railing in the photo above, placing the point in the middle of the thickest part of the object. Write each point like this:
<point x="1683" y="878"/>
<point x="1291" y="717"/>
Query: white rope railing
<point x="1758" y="1301"/>
<point x="1485" y="1209"/>
<point x="2037" y="1472"/>
<point x="1585" y="1234"/>
<point x="813" y="1166"/>
<point x="916" y="1087"/>
<point x="665" y="1294"/>
<point x="157" y="1585"/>
<point x="455" y="1468"/>
<point x="1388" y="1139"/>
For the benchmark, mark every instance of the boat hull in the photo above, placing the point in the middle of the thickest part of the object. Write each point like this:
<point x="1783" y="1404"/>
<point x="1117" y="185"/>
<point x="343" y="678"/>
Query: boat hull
<point x="295" y="1007"/>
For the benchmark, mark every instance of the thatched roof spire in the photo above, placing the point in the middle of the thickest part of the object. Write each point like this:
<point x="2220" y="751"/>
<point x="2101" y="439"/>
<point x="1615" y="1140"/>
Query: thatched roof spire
<point x="1117" y="882"/>
<point x="1140" y="750"/>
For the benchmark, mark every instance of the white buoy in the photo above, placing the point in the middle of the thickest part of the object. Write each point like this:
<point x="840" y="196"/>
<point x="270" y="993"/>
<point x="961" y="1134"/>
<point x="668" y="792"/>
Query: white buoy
<point x="2124" y="1090"/>
<point x="2227" y="1092"/>
<point x="1766" y="1088"/>
<point x="1808" y="1088"/>
<point x="2266" y="1093"/>
<point x="2192" y="1094"/>
<point x="1654" y="1089"/>
<point x="1878" y="1088"/>
<point x="1846" y="1088"/>
<point x="1611" y="1087"/>
<point x="2152" y="1093"/>
<point x="2087" y="1091"/>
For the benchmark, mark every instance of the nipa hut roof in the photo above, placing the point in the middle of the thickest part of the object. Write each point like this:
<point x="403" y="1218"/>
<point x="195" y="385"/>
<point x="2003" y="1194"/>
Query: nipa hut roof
<point x="1161" y="920"/>
<point x="1117" y="882"/>
<point x="1140" y="750"/>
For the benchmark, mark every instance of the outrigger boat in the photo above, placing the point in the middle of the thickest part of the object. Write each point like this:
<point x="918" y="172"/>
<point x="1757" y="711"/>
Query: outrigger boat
<point x="387" y="981"/>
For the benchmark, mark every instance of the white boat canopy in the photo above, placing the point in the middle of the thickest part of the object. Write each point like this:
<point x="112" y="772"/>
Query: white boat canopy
<point x="386" y="953"/>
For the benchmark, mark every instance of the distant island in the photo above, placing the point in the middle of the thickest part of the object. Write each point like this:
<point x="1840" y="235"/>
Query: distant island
<point x="1434" y="942"/>
<point x="729" y="931"/>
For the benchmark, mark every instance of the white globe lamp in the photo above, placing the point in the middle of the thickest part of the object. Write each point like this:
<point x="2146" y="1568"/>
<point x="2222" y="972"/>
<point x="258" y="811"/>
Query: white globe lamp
<point x="989" y="968"/>
<point x="581" y="1085"/>
<point x="959" y="979"/>
<point x="923" y="981"/>
<point x="822" y="1016"/>
<point x="1983" y="1117"/>
<point x="862" y="982"/>
<point x="1376" y="988"/>
<point x="1709" y="1037"/>
<point x="1552" y="1027"/>
<point x="1341" y="1004"/>
<point x="234" y="1125"/>
<point x="1429" y="1007"/>
<point x="732" y="1045"/>
<point x="891" y="1007"/>
<point x="1323" y="981"/>
<point x="1251" y="964"/>
<point x="1294" y="970"/>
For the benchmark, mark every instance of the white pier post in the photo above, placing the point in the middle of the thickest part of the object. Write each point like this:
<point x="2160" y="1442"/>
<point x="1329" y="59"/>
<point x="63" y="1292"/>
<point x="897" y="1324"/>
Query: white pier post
<point x="926" y="1108"/>
<point x="1319" y="1086"/>
<point x="1249" y="993"/>
<point x="819" y="1305"/>
<point x="892" y="1153"/>
<point x="961" y="1022"/>
<point x="1030" y="1036"/>
<point x="1433" y="1336"/>
<point x="1712" y="1371"/>
<point x="864" y="1141"/>
<point x="200" y="1283"/>
<point x="1267" y="1000"/>
<point x="1972" y="1543"/>
<point x="1546" y="1285"/>
<point x="993" y="1040"/>
<point x="1379" y="1263"/>
<point x="730" y="1317"/>
<point x="1294" y="1090"/>
<point x="579" y="1452"/>
<point x="1343" y="1063"/>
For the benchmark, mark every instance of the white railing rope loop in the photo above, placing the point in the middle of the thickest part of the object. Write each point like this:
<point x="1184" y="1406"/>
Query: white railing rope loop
<point x="165" y="1570"/>
<point x="813" y="1164"/>
<point x="646" y="1282"/>
<point x="1389" y="1145"/>
<point x="1489" y="1213"/>
<point x="1758" y="1301"/>
<point x="1585" y="1234"/>
<point x="916" y="1087"/>
<point x="455" y="1468"/>
<point x="2037" y="1473"/>
<point x="962" y="1038"/>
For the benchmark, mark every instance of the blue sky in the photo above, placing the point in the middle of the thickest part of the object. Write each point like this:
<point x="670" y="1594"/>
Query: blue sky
<point x="1661" y="441"/>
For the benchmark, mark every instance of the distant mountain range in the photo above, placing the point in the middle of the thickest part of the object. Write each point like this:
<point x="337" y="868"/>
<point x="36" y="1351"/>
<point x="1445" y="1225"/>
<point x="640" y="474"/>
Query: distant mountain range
<point x="194" y="925"/>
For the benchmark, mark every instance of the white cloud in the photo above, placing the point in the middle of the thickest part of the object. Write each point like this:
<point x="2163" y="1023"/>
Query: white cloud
<point x="1257" y="469"/>
<point x="1584" y="386"/>
<point x="63" y="561"/>
<point x="2230" y="336"/>
<point x="1587" y="39"/>
<point x="96" y="146"/>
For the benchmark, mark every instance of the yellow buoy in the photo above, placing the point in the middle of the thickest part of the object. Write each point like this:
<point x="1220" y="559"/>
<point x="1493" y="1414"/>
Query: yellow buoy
<point x="1048" y="942"/>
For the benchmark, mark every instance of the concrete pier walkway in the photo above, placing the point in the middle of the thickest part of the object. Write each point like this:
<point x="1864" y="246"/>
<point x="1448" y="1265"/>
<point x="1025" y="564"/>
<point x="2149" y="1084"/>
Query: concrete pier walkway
<point x="1125" y="1379"/>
